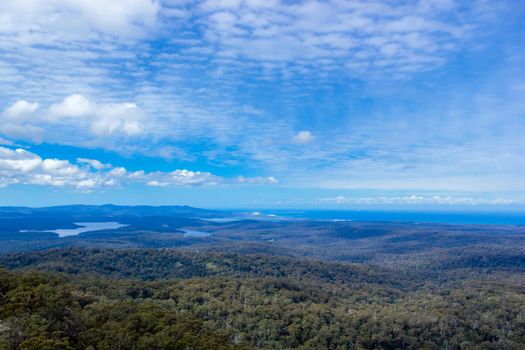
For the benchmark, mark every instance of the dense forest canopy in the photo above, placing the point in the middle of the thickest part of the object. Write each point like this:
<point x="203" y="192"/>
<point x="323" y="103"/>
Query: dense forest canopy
<point x="168" y="299"/>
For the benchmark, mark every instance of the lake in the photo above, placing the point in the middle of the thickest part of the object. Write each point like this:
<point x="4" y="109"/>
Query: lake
<point x="189" y="233"/>
<point x="86" y="227"/>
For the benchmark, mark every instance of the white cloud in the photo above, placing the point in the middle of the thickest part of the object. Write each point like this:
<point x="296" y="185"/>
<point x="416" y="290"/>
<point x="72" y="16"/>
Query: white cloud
<point x="256" y="180"/>
<point x="20" y="109"/>
<point x="18" y="160"/>
<point x="396" y="37"/>
<point x="74" y="105"/>
<point x="105" y="118"/>
<point x="181" y="178"/>
<point x="95" y="164"/>
<point x="18" y="166"/>
<point x="16" y="121"/>
<point x="118" y="172"/>
<point x="303" y="137"/>
<point x="22" y="120"/>
<point x="58" y="20"/>
<point x="121" y="117"/>
<point x="21" y="131"/>
<point x="415" y="200"/>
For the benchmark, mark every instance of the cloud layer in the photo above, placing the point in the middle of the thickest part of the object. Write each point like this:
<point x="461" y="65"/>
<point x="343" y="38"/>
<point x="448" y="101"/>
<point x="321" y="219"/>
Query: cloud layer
<point x="415" y="200"/>
<point x="414" y="94"/>
<point x="59" y="20"/>
<point x="19" y="166"/>
<point x="364" y="37"/>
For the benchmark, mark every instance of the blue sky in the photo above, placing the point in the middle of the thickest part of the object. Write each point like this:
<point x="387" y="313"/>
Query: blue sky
<point x="252" y="103"/>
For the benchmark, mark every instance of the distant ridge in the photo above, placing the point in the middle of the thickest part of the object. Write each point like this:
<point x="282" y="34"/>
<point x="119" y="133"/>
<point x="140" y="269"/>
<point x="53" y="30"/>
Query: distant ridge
<point x="105" y="208"/>
<point x="114" y="210"/>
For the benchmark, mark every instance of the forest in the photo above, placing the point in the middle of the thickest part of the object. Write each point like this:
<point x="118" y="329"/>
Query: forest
<point x="171" y="299"/>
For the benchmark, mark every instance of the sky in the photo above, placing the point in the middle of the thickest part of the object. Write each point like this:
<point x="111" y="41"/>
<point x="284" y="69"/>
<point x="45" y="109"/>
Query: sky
<point x="263" y="103"/>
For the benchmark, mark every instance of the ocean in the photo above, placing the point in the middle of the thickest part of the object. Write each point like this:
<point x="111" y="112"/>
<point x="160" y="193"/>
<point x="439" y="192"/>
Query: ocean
<point x="485" y="218"/>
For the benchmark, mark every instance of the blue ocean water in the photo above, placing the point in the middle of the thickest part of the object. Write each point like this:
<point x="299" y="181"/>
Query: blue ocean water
<point x="492" y="218"/>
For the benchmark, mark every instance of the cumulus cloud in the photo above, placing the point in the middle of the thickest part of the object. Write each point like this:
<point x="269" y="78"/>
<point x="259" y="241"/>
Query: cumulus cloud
<point x="104" y="118"/>
<point x="20" y="110"/>
<point x="16" y="121"/>
<point x="23" y="119"/>
<point x="74" y="105"/>
<point x="303" y="137"/>
<point x="19" y="166"/>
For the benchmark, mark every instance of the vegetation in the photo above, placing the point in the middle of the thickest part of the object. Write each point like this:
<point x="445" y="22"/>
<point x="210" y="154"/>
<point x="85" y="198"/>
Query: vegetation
<point x="165" y="299"/>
